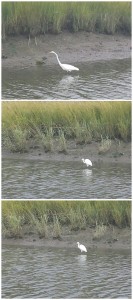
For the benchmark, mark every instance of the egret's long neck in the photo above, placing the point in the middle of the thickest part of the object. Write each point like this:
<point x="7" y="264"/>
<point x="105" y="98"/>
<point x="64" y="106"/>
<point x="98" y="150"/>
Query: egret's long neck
<point x="58" y="59"/>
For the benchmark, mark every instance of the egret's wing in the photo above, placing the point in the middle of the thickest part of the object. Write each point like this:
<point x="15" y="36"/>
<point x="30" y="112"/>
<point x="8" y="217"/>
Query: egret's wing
<point x="69" y="67"/>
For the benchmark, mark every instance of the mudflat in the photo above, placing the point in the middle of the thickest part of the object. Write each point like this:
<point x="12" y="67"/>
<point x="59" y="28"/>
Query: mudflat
<point x="71" y="48"/>
<point x="119" y="152"/>
<point x="111" y="238"/>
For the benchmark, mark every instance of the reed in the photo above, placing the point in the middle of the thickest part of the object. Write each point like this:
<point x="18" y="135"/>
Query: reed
<point x="105" y="145"/>
<point x="81" y="121"/>
<point x="39" y="223"/>
<point x="77" y="215"/>
<point x="62" y="143"/>
<point x="99" y="232"/>
<point x="53" y="17"/>
<point x="56" y="228"/>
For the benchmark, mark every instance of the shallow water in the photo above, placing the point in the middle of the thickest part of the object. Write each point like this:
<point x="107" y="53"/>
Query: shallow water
<point x="99" y="80"/>
<point x="33" y="179"/>
<point x="29" y="272"/>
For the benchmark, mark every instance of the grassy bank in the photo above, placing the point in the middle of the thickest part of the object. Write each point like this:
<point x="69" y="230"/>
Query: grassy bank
<point x="49" y="217"/>
<point x="53" y="17"/>
<point x="41" y="124"/>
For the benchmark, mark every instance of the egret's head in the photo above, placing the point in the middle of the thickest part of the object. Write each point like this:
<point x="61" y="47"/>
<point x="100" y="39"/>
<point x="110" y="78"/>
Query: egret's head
<point x="51" y="52"/>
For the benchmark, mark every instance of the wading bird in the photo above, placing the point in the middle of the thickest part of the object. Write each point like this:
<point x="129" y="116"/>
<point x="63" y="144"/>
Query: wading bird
<point x="82" y="247"/>
<point x="65" y="67"/>
<point x="87" y="162"/>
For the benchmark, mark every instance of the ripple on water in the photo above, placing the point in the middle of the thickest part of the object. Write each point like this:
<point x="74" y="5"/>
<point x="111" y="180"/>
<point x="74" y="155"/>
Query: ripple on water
<point x="59" y="273"/>
<point x="40" y="180"/>
<point x="99" y="80"/>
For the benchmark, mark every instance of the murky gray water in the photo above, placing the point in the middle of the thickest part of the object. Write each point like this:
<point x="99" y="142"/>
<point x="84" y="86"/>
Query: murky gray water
<point x="62" y="273"/>
<point x="24" y="179"/>
<point x="99" y="80"/>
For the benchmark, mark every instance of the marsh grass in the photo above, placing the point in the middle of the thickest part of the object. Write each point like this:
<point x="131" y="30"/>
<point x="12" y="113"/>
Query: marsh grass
<point x="83" y="122"/>
<point x="43" y="138"/>
<point x="14" y="224"/>
<point x="77" y="219"/>
<point x="16" y="140"/>
<point x="82" y="133"/>
<point x="77" y="215"/>
<point x="34" y="18"/>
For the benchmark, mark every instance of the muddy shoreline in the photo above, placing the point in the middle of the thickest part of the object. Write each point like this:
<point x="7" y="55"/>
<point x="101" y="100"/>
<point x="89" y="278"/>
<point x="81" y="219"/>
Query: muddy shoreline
<point x="118" y="153"/>
<point x="114" y="238"/>
<point x="71" y="47"/>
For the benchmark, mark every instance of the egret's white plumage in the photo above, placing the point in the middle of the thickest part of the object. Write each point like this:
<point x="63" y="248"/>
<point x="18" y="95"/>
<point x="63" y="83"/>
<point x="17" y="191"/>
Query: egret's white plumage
<point x="82" y="247"/>
<point x="87" y="162"/>
<point x="65" y="67"/>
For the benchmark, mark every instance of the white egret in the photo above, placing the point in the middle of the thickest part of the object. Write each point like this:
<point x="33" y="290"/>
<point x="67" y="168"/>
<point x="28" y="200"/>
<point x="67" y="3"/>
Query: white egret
<point x="87" y="162"/>
<point x="65" y="67"/>
<point x="82" y="247"/>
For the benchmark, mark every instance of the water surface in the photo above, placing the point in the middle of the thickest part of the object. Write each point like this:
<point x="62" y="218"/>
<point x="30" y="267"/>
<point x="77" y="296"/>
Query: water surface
<point x="99" y="80"/>
<point x="33" y="179"/>
<point x="61" y="273"/>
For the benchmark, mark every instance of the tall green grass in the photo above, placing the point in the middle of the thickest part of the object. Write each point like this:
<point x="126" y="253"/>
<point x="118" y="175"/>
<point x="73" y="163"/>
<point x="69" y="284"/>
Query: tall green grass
<point x="77" y="215"/>
<point x="53" y="17"/>
<point x="82" y="121"/>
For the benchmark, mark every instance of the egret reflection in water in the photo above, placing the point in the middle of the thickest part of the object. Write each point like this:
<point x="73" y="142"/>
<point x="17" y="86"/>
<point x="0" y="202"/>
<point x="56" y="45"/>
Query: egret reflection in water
<point x="87" y="173"/>
<point x="68" y="79"/>
<point x="67" y="82"/>
<point x="82" y="258"/>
